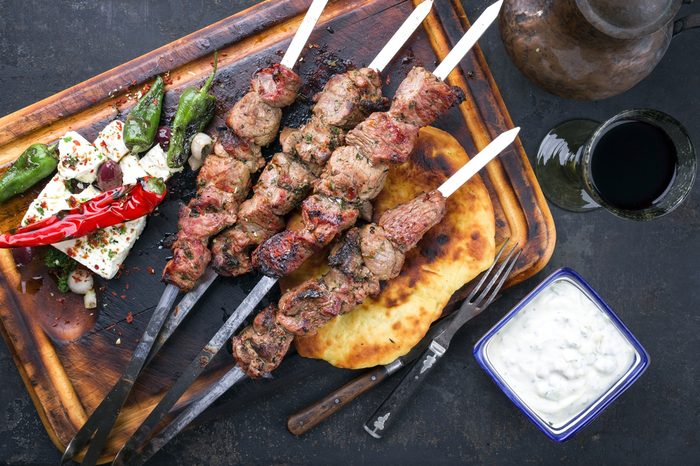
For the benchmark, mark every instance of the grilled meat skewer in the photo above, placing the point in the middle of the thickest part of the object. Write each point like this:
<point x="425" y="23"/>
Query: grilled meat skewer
<point x="363" y="258"/>
<point x="224" y="180"/>
<point x="345" y="100"/>
<point x="273" y="85"/>
<point x="390" y="145"/>
<point x="356" y="172"/>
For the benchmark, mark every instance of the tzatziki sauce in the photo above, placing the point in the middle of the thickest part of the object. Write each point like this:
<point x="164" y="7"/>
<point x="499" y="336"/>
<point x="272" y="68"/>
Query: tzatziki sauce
<point x="560" y="353"/>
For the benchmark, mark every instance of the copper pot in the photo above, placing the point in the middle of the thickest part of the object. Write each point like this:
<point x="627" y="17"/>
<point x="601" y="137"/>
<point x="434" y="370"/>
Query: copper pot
<point x="590" y="49"/>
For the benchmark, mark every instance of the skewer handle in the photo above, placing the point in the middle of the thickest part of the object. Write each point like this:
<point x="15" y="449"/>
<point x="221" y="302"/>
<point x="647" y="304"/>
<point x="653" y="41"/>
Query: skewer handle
<point x="309" y="417"/>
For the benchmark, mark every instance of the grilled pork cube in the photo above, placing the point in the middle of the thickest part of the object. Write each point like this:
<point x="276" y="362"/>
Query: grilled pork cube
<point x="406" y="224"/>
<point x="260" y="348"/>
<point x="384" y="138"/>
<point x="283" y="183"/>
<point x="348" y="97"/>
<point x="383" y="259"/>
<point x="255" y="224"/>
<point x="276" y="85"/>
<point x="314" y="143"/>
<point x="422" y="97"/>
<point x="190" y="258"/>
<point x="351" y="176"/>
<point x="282" y="253"/>
<point x="325" y="218"/>
<point x="228" y="144"/>
<point x="253" y="119"/>
<point x="226" y="174"/>
<point x="305" y="308"/>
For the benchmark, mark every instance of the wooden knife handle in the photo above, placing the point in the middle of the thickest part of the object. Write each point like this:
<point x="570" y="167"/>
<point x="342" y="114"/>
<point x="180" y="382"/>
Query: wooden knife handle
<point x="312" y="415"/>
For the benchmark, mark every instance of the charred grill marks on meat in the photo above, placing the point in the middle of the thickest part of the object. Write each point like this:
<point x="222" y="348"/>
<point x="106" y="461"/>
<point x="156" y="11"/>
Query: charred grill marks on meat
<point x="224" y="179"/>
<point x="290" y="175"/>
<point x="355" y="173"/>
<point x="363" y="258"/>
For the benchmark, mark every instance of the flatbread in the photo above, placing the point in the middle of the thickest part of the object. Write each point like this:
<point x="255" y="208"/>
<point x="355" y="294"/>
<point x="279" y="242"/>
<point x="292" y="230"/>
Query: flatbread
<point x="448" y="257"/>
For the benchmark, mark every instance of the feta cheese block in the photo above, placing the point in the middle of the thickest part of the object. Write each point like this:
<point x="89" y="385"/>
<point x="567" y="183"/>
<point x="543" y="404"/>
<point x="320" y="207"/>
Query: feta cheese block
<point x="131" y="169"/>
<point x="105" y="250"/>
<point x="110" y="141"/>
<point x="56" y="197"/>
<point x="155" y="162"/>
<point x="77" y="158"/>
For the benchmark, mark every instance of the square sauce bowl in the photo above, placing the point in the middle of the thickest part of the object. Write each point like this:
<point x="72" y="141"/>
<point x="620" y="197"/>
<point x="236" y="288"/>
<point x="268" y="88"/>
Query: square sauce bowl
<point x="561" y="355"/>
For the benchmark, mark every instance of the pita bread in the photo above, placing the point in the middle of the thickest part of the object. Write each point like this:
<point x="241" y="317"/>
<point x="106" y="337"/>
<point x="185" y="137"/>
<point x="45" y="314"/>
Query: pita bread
<point x="449" y="256"/>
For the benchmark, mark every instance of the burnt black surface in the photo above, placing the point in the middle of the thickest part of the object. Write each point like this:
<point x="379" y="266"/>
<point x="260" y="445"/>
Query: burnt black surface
<point x="647" y="272"/>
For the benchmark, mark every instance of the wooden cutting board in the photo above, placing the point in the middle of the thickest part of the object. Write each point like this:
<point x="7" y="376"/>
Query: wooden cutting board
<point x="68" y="357"/>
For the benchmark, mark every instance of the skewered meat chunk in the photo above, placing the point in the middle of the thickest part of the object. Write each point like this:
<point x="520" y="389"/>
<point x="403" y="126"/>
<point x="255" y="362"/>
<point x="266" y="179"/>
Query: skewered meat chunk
<point x="379" y="255"/>
<point x="190" y="258"/>
<point x="348" y="97"/>
<point x="358" y="262"/>
<point x="383" y="137"/>
<point x="325" y="217"/>
<point x="351" y="176"/>
<point x="222" y="183"/>
<point x="422" y="97"/>
<point x="406" y="224"/>
<point x="354" y="260"/>
<point x="289" y="177"/>
<point x="251" y="118"/>
<point x="229" y="144"/>
<point x="256" y="224"/>
<point x="276" y="85"/>
<point x="283" y="183"/>
<point x="224" y="180"/>
<point x="282" y="253"/>
<point x="259" y="349"/>
<point x="314" y="143"/>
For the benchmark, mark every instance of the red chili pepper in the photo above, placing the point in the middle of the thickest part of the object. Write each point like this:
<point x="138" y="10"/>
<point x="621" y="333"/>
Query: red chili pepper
<point x="108" y="209"/>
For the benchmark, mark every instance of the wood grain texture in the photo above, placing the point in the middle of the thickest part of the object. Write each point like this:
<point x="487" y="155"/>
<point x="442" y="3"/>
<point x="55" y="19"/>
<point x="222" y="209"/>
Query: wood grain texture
<point x="69" y="357"/>
<point x="312" y="415"/>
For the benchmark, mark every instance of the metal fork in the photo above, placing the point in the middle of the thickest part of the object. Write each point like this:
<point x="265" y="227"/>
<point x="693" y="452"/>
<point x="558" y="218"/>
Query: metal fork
<point x="481" y="296"/>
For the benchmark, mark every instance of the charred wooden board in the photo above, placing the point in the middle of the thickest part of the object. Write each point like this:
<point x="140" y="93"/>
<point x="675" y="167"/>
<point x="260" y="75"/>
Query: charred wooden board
<point x="69" y="357"/>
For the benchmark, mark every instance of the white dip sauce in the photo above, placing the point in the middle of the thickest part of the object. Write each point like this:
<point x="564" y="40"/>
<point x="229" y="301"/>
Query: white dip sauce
<point x="560" y="353"/>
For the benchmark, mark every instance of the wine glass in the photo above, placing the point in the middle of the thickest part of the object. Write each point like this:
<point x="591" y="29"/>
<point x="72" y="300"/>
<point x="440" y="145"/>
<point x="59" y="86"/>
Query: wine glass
<point x="568" y="155"/>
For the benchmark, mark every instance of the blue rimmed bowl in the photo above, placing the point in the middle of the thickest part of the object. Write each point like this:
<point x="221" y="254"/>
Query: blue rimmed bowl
<point x="583" y="416"/>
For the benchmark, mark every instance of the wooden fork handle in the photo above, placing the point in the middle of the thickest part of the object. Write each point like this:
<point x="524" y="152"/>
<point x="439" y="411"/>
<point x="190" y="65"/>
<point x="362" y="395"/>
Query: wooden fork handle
<point x="312" y="415"/>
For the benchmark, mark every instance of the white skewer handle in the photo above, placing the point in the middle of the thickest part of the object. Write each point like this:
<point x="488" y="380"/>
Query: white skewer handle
<point x="302" y="35"/>
<point x="400" y="37"/>
<point x="478" y="162"/>
<point x="468" y="40"/>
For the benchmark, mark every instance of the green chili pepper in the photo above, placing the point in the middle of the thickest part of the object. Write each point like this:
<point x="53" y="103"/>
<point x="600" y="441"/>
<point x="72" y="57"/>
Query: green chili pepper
<point x="194" y="112"/>
<point x="35" y="164"/>
<point x="142" y="122"/>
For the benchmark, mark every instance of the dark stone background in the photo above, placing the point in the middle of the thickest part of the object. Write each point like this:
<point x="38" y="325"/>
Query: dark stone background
<point x="648" y="272"/>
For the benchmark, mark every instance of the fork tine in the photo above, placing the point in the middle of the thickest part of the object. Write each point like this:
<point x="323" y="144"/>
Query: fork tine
<point x="477" y="288"/>
<point x="503" y="265"/>
<point x="505" y="276"/>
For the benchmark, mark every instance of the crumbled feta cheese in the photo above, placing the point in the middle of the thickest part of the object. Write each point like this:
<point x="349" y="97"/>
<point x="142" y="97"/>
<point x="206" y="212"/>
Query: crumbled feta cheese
<point x="131" y="170"/>
<point x="155" y="162"/>
<point x="110" y="141"/>
<point x="78" y="159"/>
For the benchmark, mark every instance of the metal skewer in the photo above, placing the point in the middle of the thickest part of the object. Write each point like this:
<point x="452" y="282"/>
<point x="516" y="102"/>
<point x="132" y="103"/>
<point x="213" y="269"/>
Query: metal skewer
<point x="96" y="429"/>
<point x="236" y="374"/>
<point x="383" y="58"/>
